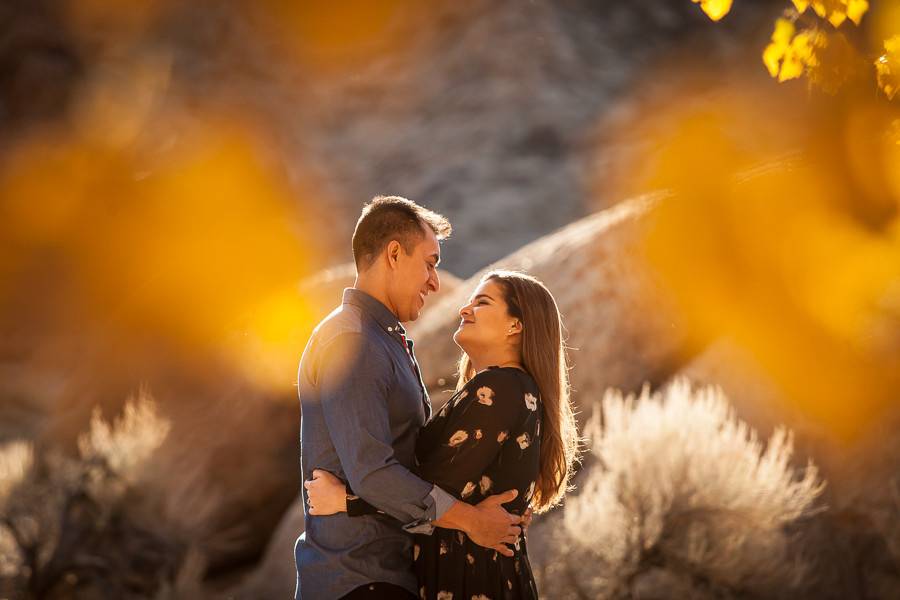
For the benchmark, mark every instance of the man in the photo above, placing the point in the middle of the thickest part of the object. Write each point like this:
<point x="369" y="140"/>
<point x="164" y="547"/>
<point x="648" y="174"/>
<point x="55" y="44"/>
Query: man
<point x="363" y="403"/>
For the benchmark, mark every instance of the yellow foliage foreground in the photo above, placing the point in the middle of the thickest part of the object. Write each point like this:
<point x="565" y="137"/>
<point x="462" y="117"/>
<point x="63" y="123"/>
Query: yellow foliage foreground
<point x="782" y="232"/>
<point x="714" y="9"/>
<point x="191" y="243"/>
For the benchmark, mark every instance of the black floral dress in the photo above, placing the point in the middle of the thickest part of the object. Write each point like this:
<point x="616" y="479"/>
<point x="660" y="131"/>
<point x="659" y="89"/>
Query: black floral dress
<point x="484" y="441"/>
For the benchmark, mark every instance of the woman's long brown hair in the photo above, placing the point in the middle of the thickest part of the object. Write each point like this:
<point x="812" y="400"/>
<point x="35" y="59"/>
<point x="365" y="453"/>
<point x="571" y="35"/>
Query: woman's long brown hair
<point x="544" y="357"/>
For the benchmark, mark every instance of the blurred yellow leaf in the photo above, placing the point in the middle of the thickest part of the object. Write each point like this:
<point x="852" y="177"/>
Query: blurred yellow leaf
<point x="332" y="36"/>
<point x="891" y="164"/>
<point x="196" y="245"/>
<point x="775" y="51"/>
<point x="835" y="11"/>
<point x="714" y="9"/>
<point x="772" y="259"/>
<point x="124" y="21"/>
<point x="893" y="134"/>
<point x="788" y="55"/>
<point x="887" y="67"/>
<point x="835" y="62"/>
<point x="856" y="9"/>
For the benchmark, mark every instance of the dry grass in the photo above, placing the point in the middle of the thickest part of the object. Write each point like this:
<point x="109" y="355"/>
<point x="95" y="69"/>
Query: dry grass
<point x="685" y="490"/>
<point x="16" y="459"/>
<point x="65" y="529"/>
<point x="129" y="441"/>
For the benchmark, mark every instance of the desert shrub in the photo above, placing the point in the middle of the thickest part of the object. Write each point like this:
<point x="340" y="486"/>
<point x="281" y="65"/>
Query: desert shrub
<point x="683" y="493"/>
<point x="65" y="528"/>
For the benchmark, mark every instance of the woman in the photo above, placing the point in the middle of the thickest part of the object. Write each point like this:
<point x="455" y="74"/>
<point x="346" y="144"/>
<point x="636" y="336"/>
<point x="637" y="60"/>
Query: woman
<point x="508" y="426"/>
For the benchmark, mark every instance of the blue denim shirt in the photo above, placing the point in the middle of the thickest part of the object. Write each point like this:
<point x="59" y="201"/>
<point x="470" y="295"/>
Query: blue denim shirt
<point x="363" y="403"/>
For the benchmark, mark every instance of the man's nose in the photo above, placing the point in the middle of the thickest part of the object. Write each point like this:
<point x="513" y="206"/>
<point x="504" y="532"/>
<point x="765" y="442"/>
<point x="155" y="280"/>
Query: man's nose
<point x="434" y="283"/>
<point x="463" y="311"/>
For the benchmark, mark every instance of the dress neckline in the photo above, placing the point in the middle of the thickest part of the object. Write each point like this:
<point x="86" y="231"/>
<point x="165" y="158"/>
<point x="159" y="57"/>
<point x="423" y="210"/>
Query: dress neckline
<point x="499" y="367"/>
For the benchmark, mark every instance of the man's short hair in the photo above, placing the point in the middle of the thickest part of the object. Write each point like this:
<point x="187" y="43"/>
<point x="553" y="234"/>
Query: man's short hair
<point x="388" y="218"/>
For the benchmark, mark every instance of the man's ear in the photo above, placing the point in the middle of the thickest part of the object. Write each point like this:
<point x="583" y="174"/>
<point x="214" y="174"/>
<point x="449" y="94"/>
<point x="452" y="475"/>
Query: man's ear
<point x="393" y="253"/>
<point x="516" y="327"/>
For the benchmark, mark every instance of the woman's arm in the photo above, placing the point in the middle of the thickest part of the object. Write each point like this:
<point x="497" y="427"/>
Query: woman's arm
<point x="492" y="408"/>
<point x="327" y="495"/>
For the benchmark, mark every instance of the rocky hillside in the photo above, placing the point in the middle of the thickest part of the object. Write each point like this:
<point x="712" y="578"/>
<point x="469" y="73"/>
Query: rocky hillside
<point x="492" y="112"/>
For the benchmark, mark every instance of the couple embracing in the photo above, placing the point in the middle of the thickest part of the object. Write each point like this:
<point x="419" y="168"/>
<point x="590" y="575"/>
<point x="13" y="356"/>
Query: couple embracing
<point x="400" y="503"/>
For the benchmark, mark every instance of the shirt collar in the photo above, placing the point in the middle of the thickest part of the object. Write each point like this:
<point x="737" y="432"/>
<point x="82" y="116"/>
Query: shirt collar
<point x="374" y="308"/>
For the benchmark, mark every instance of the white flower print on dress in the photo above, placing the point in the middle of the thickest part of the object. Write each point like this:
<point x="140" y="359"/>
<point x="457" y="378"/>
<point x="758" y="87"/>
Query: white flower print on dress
<point x="445" y="596"/>
<point x="467" y="491"/>
<point x="478" y="434"/>
<point x="480" y="597"/>
<point x="458" y="438"/>
<point x="531" y="401"/>
<point x="460" y="537"/>
<point x="524" y="440"/>
<point x="443" y="549"/>
<point x="416" y="550"/>
<point x="485" y="484"/>
<point x="470" y="559"/>
<point x="502" y="437"/>
<point x="485" y="396"/>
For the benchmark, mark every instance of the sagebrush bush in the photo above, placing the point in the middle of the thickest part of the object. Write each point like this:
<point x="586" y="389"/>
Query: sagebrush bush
<point x="16" y="459"/>
<point x="682" y="486"/>
<point x="65" y="530"/>
<point x="129" y="441"/>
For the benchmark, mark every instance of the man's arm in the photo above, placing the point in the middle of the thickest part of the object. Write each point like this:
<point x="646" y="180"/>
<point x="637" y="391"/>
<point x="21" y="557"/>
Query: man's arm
<point x="354" y="381"/>
<point x="329" y="495"/>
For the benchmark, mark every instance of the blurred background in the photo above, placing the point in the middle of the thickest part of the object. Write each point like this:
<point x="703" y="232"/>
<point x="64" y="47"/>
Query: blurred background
<point x="709" y="188"/>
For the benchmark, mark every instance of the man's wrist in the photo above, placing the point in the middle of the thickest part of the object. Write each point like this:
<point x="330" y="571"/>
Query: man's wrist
<point x="460" y="515"/>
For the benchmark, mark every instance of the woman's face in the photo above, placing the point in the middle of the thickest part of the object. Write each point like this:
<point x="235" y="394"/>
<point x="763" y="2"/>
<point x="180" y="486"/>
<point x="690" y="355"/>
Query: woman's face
<point x="485" y="321"/>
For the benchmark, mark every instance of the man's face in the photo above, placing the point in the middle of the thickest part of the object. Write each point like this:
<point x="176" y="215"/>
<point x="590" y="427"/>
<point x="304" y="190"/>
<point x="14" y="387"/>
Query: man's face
<point x="416" y="277"/>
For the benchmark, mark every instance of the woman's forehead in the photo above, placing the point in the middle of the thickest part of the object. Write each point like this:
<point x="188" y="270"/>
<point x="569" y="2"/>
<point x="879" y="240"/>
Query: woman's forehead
<point x="488" y="288"/>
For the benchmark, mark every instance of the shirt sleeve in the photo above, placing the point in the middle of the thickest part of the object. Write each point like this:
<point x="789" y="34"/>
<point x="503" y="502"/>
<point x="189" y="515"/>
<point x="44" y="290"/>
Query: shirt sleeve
<point x="355" y="378"/>
<point x="490" y="413"/>
<point x="358" y="507"/>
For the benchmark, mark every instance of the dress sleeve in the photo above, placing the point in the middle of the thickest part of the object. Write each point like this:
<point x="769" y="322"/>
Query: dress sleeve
<point x="357" y="507"/>
<point x="486" y="415"/>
